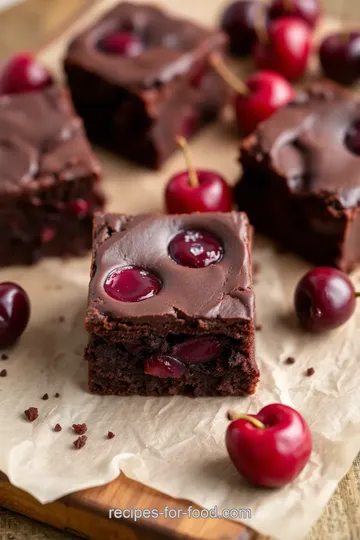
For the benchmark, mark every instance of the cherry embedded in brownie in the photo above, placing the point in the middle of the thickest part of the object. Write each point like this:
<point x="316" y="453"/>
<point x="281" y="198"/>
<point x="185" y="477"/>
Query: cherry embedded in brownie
<point x="171" y="306"/>
<point x="301" y="176"/>
<point x="140" y="76"/>
<point x="49" y="178"/>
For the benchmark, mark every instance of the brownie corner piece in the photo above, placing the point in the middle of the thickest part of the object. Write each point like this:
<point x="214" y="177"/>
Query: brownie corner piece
<point x="140" y="76"/>
<point x="300" y="183"/>
<point x="49" y="179"/>
<point x="171" y="306"/>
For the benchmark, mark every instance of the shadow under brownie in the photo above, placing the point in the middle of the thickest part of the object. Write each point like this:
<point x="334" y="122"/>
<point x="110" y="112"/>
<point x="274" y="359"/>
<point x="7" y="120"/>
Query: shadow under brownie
<point x="194" y="334"/>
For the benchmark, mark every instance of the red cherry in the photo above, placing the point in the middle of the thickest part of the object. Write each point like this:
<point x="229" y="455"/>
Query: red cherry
<point x="307" y="10"/>
<point x="23" y="73"/>
<point x="197" y="190"/>
<point x="195" y="249"/>
<point x="239" y="22"/>
<point x="197" y="350"/>
<point x="14" y="313"/>
<point x="123" y="43"/>
<point x="352" y="137"/>
<point x="268" y="92"/>
<point x="163" y="367"/>
<point x="270" y="448"/>
<point x="286" y="48"/>
<point x="258" y="97"/>
<point x="340" y="57"/>
<point x="79" y="207"/>
<point x="131" y="284"/>
<point x="47" y="234"/>
<point x="324" y="299"/>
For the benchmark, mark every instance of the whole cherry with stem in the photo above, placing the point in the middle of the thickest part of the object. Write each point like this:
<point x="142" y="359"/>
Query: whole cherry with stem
<point x="258" y="97"/>
<point x="196" y="190"/>
<point x="270" y="448"/>
<point x="325" y="298"/>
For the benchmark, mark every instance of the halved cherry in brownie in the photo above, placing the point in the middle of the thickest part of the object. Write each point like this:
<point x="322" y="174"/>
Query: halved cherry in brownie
<point x="121" y="42"/>
<point x="163" y="366"/>
<point x="23" y="73"/>
<point x="352" y="137"/>
<point x="195" y="248"/>
<point x="197" y="350"/>
<point x="79" y="207"/>
<point x="131" y="284"/>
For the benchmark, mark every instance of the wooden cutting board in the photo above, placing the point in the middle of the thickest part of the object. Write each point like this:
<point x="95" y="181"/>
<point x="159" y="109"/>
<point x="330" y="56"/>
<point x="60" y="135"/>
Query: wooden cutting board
<point x="86" y="513"/>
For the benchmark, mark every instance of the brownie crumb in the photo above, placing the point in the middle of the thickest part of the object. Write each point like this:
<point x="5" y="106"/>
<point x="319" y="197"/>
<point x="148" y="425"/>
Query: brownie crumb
<point x="79" y="429"/>
<point x="61" y="318"/>
<point x="4" y="357"/>
<point x="3" y="373"/>
<point x="45" y="397"/>
<point x="310" y="371"/>
<point x="290" y="360"/>
<point x="80" y="441"/>
<point x="111" y="435"/>
<point x="57" y="395"/>
<point x="57" y="428"/>
<point x="31" y="413"/>
<point x="258" y="328"/>
<point x="256" y="267"/>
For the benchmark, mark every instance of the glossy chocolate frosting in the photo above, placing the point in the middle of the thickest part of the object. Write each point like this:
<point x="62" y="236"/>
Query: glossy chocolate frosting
<point x="304" y="142"/>
<point x="171" y="46"/>
<point x="41" y="139"/>
<point x="221" y="291"/>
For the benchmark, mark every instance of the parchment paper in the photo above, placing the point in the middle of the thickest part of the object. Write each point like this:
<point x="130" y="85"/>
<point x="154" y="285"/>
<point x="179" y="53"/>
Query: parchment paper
<point x="175" y="445"/>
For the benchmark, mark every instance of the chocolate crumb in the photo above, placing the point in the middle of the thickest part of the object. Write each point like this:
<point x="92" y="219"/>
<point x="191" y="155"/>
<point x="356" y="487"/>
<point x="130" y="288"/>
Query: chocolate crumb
<point x="80" y="441"/>
<point x="57" y="427"/>
<point x="31" y="413"/>
<point x="57" y="394"/>
<point x="111" y="435"/>
<point x="79" y="429"/>
<point x="258" y="328"/>
<point x="256" y="267"/>
<point x="290" y="360"/>
<point x="4" y="357"/>
<point x="61" y="318"/>
<point x="3" y="373"/>
<point x="310" y="371"/>
<point x="45" y="397"/>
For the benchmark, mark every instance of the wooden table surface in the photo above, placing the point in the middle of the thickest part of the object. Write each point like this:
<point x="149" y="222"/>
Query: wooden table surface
<point x="31" y="25"/>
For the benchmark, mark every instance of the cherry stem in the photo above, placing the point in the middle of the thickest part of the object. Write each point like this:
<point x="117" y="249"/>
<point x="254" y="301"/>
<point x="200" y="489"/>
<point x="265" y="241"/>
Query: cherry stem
<point x="217" y="62"/>
<point x="260" y="25"/>
<point x="232" y="415"/>
<point x="193" y="177"/>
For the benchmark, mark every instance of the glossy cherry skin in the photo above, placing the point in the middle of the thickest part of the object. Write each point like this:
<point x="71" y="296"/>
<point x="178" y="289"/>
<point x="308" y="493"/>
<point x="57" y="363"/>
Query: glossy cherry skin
<point x="212" y="194"/>
<point x="340" y="57"/>
<point x="287" y="49"/>
<point x="14" y="312"/>
<point x="122" y="43"/>
<point x="23" y="73"/>
<point x="79" y="207"/>
<point x="324" y="299"/>
<point x="195" y="249"/>
<point x="352" y="137"/>
<point x="131" y="284"/>
<point x="197" y="350"/>
<point x="307" y="10"/>
<point x="163" y="366"/>
<point x="273" y="456"/>
<point x="268" y="92"/>
<point x="239" y="23"/>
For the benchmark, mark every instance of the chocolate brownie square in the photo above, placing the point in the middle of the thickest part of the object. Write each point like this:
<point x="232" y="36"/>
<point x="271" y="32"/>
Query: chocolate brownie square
<point x="171" y="306"/>
<point x="48" y="178"/>
<point x="140" y="76"/>
<point x="301" y="176"/>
